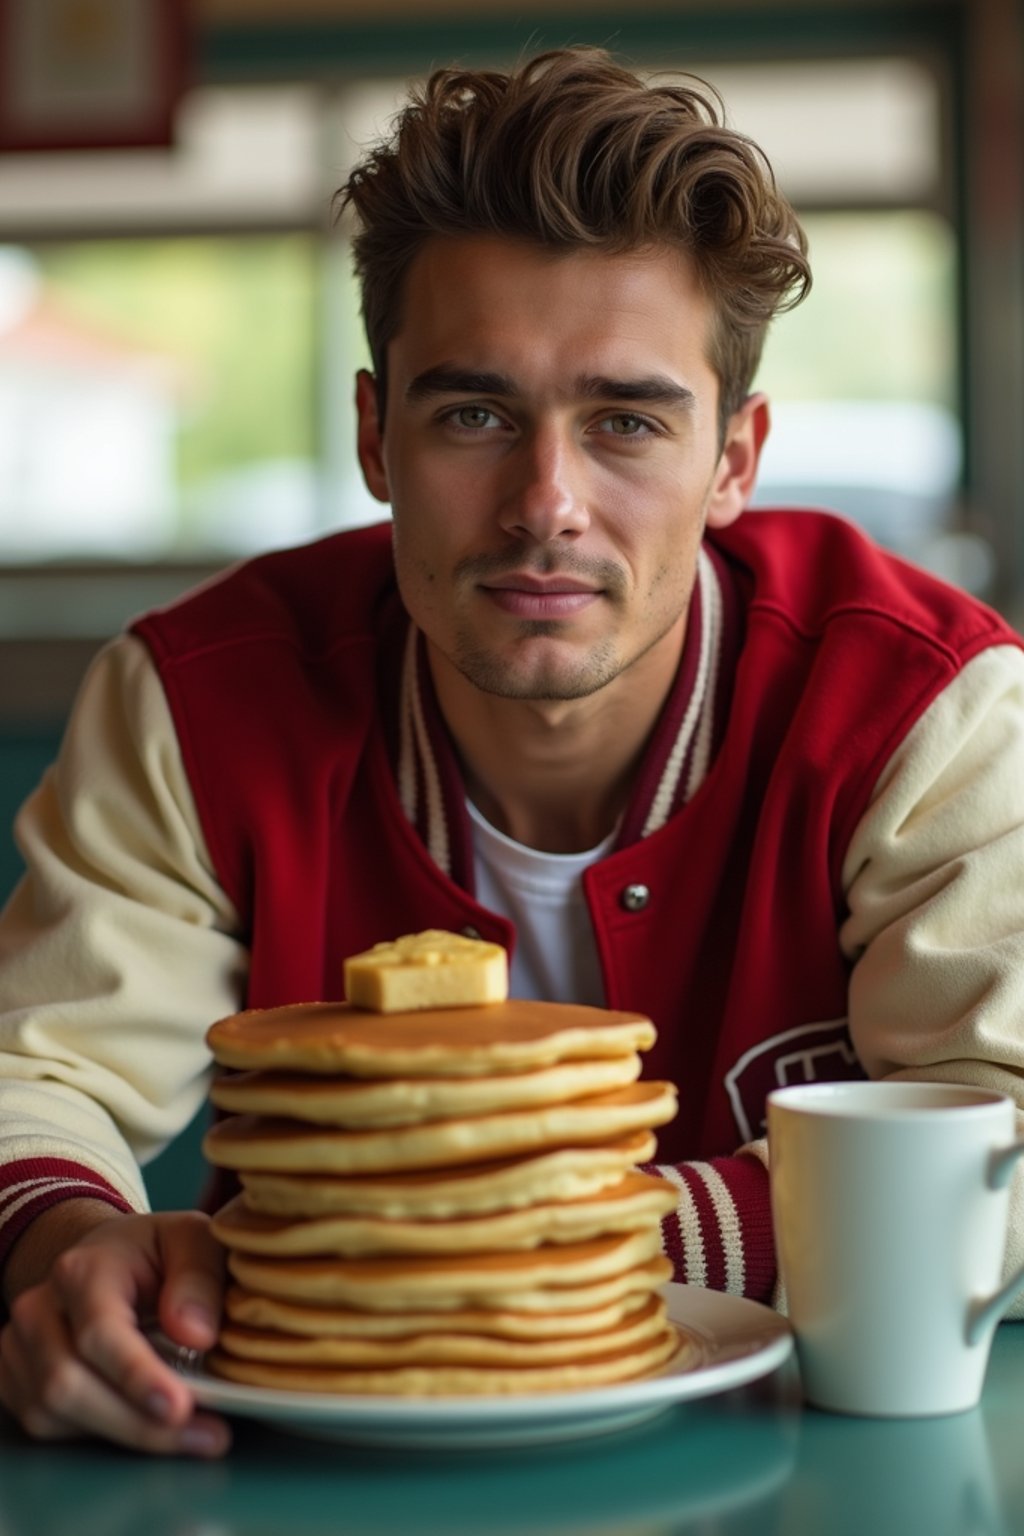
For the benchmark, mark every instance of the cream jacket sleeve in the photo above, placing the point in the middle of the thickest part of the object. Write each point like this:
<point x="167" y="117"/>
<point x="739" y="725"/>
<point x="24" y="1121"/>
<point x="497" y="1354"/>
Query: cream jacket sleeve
<point x="117" y="949"/>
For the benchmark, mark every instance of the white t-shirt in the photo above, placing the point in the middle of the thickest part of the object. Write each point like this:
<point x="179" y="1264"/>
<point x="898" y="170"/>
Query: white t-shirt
<point x="542" y="893"/>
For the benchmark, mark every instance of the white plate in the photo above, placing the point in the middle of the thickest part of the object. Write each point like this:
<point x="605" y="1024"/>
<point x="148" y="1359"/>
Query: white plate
<point x="736" y="1342"/>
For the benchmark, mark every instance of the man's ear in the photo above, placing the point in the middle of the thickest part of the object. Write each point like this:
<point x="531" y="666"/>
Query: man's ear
<point x="736" y="470"/>
<point x="370" y="436"/>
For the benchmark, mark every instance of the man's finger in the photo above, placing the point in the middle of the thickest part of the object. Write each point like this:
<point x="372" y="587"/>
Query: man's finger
<point x="192" y="1292"/>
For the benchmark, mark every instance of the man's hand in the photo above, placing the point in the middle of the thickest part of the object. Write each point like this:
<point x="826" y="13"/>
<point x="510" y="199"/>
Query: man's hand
<point x="73" y="1359"/>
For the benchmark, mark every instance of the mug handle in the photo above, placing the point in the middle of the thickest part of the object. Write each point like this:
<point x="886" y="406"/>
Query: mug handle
<point x="984" y="1315"/>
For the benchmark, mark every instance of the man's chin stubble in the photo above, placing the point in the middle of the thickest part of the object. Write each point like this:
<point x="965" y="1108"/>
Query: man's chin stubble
<point x="542" y="684"/>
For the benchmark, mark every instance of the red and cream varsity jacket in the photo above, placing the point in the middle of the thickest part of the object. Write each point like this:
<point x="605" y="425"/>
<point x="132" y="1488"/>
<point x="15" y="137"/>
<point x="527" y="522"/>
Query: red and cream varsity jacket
<point x="823" y="798"/>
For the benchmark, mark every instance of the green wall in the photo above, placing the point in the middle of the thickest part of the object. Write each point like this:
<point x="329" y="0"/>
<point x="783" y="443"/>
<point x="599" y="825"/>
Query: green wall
<point x="24" y="756"/>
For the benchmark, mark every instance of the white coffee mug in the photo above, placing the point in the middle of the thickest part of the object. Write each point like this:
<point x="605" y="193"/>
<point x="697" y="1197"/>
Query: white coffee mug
<point x="890" y="1202"/>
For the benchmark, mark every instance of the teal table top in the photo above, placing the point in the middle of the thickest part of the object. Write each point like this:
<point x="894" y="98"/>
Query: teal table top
<point x="749" y="1462"/>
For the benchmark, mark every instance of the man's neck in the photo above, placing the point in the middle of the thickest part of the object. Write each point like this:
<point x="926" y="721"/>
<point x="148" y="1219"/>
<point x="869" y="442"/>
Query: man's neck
<point x="555" y="775"/>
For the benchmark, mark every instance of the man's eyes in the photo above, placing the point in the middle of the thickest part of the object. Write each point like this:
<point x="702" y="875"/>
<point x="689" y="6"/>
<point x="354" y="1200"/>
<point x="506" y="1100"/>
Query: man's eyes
<point x="621" y="424"/>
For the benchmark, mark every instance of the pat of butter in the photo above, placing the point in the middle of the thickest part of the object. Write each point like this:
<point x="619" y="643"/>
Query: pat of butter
<point x="433" y="969"/>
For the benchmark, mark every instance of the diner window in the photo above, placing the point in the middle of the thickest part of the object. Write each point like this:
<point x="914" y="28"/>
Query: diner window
<point x="161" y="394"/>
<point x="157" y="395"/>
<point x="178" y="334"/>
<point x="864" y="376"/>
<point x="863" y="384"/>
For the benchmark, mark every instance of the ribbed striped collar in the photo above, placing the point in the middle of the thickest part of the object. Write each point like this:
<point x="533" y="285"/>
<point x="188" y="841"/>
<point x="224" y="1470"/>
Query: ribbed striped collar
<point x="675" y="765"/>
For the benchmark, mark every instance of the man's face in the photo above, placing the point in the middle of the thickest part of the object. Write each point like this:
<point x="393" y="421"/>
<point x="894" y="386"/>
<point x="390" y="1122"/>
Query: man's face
<point x="551" y="454"/>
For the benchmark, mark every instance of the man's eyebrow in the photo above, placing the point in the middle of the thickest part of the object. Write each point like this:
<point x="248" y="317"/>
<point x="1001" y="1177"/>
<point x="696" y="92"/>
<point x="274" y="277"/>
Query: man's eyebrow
<point x="651" y="389"/>
<point x="449" y="380"/>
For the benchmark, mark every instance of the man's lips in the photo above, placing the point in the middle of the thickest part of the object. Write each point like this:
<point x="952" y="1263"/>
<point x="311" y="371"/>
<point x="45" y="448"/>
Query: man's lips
<point x="527" y="596"/>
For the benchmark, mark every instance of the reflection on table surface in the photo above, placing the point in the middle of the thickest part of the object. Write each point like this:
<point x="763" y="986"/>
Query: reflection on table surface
<point x="750" y="1462"/>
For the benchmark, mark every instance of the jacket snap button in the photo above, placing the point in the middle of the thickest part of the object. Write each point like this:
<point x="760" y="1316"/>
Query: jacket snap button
<point x="635" y="897"/>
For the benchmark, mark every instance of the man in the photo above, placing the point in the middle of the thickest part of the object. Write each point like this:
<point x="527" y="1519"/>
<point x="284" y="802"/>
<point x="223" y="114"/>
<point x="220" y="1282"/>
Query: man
<point x="749" y="775"/>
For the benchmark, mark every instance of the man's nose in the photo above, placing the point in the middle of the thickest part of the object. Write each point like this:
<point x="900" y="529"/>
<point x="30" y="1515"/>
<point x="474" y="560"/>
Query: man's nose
<point x="545" y="493"/>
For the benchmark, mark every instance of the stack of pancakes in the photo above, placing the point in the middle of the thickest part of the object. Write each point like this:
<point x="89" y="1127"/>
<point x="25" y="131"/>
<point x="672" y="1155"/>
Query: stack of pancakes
<point x="440" y="1202"/>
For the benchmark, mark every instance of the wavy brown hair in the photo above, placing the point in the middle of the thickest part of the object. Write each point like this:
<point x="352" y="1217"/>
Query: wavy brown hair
<point x="571" y="150"/>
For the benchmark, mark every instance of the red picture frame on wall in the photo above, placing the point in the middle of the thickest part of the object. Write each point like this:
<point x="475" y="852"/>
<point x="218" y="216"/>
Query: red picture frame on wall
<point x="91" y="74"/>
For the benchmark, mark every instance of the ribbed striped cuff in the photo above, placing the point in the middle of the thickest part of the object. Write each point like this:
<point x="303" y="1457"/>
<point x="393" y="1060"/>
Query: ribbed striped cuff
<point x="30" y="1186"/>
<point x="720" y="1234"/>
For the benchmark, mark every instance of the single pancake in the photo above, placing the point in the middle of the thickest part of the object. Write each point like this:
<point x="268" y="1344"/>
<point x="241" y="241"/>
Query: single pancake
<point x="514" y="1036"/>
<point x="636" y="1202"/>
<point x="537" y="1279"/>
<point x="252" y="1311"/>
<point x="368" y="1102"/>
<point x="506" y="1184"/>
<point x="441" y="1347"/>
<point x="251" y="1141"/>
<point x="624" y="1364"/>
